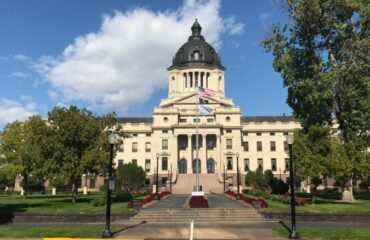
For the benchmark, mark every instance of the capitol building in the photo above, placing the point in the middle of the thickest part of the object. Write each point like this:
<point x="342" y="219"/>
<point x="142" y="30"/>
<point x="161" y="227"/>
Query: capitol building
<point x="227" y="140"/>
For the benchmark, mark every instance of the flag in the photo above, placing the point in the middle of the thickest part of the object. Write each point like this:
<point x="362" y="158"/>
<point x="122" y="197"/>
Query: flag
<point x="204" y="92"/>
<point x="204" y="110"/>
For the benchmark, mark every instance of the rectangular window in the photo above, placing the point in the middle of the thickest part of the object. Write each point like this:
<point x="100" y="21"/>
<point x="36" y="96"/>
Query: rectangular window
<point x="259" y="146"/>
<point x="229" y="144"/>
<point x="272" y="134"/>
<point x="147" y="165"/>
<point x="285" y="133"/>
<point x="210" y="120"/>
<point x="148" y="147"/>
<point x="164" y="180"/>
<point x="164" y="144"/>
<point x="259" y="134"/>
<point x="287" y="164"/>
<point x="228" y="131"/>
<point x="260" y="163"/>
<point x="229" y="163"/>
<point x="120" y="162"/>
<point x="134" y="161"/>
<point x="245" y="134"/>
<point x="121" y="148"/>
<point x="148" y="134"/>
<point x="246" y="164"/>
<point x="286" y="147"/>
<point x="134" y="134"/>
<point x="273" y="164"/>
<point x="134" y="147"/>
<point x="272" y="146"/>
<point x="183" y="120"/>
<point x="246" y="146"/>
<point x="164" y="163"/>
<point x="195" y="120"/>
<point x="164" y="131"/>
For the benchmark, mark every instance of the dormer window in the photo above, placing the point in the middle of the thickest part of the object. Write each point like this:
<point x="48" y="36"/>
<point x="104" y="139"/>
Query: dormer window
<point x="196" y="56"/>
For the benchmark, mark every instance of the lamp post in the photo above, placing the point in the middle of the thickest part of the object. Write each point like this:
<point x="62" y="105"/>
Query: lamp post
<point x="293" y="234"/>
<point x="224" y="178"/>
<point x="156" y="179"/>
<point x="237" y="174"/>
<point x="107" y="232"/>
<point x="171" y="179"/>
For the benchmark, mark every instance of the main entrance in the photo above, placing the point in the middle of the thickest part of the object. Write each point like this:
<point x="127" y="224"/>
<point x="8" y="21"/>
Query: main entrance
<point x="211" y="165"/>
<point x="182" y="166"/>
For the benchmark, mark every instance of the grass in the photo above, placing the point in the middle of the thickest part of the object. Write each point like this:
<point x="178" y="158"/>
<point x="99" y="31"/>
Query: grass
<point x="40" y="232"/>
<point x="59" y="204"/>
<point x="326" y="203"/>
<point x="327" y="233"/>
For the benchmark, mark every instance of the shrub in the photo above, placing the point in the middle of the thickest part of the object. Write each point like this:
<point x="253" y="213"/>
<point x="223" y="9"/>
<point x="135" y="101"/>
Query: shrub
<point x="123" y="197"/>
<point x="97" y="202"/>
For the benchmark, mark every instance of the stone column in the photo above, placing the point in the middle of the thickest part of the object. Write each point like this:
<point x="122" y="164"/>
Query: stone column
<point x="189" y="158"/>
<point x="204" y="155"/>
<point x="219" y="148"/>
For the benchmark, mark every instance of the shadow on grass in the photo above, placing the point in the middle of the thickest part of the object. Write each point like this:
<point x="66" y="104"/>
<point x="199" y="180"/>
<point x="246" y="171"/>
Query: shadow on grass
<point x="285" y="226"/>
<point x="132" y="226"/>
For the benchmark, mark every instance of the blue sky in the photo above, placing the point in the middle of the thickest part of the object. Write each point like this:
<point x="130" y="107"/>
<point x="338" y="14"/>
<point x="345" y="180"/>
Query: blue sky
<point x="112" y="55"/>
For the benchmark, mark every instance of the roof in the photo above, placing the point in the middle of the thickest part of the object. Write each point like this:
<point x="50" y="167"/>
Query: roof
<point x="269" y="119"/>
<point x="196" y="52"/>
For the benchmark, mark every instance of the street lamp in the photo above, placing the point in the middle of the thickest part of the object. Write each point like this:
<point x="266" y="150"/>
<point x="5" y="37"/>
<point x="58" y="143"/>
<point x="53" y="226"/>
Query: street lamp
<point x="293" y="234"/>
<point x="156" y="180"/>
<point x="112" y="139"/>
<point x="237" y="174"/>
<point x="224" y="178"/>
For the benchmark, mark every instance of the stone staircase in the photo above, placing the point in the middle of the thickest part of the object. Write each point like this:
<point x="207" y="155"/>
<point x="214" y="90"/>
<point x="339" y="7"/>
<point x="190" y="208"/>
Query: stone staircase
<point x="209" y="182"/>
<point x="247" y="215"/>
<point x="222" y="209"/>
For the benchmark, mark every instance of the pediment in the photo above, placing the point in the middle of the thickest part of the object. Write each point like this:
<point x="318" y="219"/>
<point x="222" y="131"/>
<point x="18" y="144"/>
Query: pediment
<point x="192" y="99"/>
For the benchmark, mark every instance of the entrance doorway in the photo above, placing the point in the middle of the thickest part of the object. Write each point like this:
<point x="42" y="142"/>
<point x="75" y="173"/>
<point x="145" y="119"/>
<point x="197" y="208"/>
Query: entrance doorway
<point x="182" y="166"/>
<point x="211" y="165"/>
<point x="195" y="166"/>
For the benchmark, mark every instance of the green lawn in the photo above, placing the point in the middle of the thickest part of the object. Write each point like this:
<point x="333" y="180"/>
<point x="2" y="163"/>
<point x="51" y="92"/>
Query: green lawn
<point x="59" y="204"/>
<point x="40" y="232"/>
<point x="327" y="203"/>
<point x="327" y="233"/>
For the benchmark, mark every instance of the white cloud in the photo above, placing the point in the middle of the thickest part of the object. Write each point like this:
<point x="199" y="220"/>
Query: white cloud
<point x="19" y="57"/>
<point x="11" y="110"/>
<point x="20" y="75"/>
<point x="123" y="63"/>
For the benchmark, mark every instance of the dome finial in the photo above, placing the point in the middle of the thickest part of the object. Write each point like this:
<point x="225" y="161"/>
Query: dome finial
<point x="196" y="28"/>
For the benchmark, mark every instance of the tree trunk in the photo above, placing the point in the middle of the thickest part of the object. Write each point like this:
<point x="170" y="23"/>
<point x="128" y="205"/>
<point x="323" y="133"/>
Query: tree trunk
<point x="347" y="191"/>
<point x="74" y="191"/>
<point x="25" y="185"/>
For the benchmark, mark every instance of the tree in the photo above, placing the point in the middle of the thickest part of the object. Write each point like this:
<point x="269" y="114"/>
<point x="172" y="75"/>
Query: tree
<point x="79" y="144"/>
<point x="322" y="54"/>
<point x="24" y="148"/>
<point x="130" y="178"/>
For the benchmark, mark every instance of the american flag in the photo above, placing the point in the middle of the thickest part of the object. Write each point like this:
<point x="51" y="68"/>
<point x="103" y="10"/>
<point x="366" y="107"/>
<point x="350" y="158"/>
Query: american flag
<point x="204" y="92"/>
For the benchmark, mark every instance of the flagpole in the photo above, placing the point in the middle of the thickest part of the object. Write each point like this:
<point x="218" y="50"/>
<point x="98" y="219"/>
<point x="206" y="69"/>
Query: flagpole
<point x="197" y="145"/>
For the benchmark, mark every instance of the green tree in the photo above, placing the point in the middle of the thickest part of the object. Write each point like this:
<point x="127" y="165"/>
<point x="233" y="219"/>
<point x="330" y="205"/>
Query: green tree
<point x="79" y="144"/>
<point x="24" y="148"/>
<point x="130" y="178"/>
<point x="322" y="53"/>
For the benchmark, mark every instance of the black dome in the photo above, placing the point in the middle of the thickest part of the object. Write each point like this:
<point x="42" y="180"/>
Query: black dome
<point x="196" y="52"/>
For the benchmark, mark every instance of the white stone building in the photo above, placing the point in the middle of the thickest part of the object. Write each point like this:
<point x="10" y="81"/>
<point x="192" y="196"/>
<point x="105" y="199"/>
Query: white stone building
<point x="226" y="137"/>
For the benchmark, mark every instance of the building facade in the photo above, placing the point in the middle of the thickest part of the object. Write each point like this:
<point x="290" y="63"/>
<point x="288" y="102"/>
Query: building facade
<point x="226" y="138"/>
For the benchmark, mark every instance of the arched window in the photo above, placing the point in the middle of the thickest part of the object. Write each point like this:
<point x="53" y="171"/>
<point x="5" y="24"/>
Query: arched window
<point x="196" y="55"/>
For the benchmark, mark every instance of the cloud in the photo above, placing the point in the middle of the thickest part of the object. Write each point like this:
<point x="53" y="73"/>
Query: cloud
<point x="20" y="75"/>
<point x="123" y="63"/>
<point x="19" y="57"/>
<point x="11" y="110"/>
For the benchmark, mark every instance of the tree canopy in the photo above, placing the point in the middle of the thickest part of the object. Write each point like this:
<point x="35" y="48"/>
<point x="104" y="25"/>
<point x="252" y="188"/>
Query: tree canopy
<point x="322" y="53"/>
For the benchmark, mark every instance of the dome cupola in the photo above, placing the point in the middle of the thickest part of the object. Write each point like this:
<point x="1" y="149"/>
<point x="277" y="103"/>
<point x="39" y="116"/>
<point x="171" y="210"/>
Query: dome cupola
<point x="196" y="52"/>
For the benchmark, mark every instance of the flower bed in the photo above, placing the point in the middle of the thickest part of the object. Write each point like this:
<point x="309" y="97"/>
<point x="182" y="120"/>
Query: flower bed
<point x="198" y="202"/>
<point x="251" y="201"/>
<point x="286" y="199"/>
<point x="148" y="199"/>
